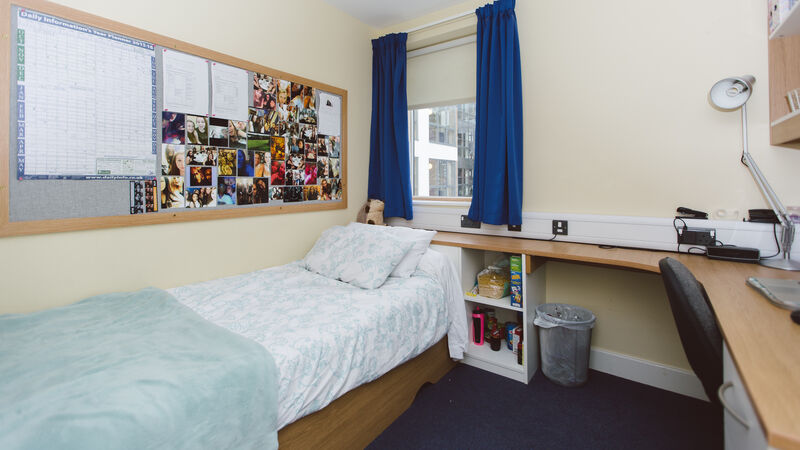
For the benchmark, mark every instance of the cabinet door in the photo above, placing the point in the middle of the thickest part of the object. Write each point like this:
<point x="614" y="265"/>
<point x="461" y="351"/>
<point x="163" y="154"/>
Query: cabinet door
<point x="742" y="428"/>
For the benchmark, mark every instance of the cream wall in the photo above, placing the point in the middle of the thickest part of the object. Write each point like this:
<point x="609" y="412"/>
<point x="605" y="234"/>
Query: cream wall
<point x="616" y="117"/>
<point x="308" y="38"/>
<point x="619" y="99"/>
<point x="632" y="310"/>
<point x="617" y="122"/>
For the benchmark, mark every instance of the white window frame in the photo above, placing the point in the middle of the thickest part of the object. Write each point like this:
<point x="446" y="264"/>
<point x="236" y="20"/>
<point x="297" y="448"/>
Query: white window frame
<point x="415" y="129"/>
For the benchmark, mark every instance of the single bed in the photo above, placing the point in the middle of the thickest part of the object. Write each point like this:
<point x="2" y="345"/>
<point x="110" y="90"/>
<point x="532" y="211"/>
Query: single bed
<point x="328" y="337"/>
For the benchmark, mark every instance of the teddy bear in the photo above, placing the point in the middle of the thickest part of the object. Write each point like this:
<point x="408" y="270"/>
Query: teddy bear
<point x="371" y="212"/>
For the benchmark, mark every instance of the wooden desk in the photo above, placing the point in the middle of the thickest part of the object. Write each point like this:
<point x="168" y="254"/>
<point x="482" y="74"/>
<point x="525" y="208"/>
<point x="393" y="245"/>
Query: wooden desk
<point x="764" y="342"/>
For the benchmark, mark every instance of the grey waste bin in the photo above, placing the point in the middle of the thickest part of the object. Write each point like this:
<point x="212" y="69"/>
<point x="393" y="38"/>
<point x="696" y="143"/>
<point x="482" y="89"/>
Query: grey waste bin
<point x="565" y="335"/>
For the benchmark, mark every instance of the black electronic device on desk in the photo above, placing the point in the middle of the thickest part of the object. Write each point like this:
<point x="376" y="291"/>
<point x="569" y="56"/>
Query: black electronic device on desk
<point x="687" y="213"/>
<point x="733" y="253"/>
<point x="763" y="216"/>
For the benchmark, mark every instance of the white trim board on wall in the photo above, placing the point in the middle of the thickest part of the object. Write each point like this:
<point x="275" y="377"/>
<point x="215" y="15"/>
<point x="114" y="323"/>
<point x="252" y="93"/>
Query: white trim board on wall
<point x="655" y="233"/>
<point x="651" y="373"/>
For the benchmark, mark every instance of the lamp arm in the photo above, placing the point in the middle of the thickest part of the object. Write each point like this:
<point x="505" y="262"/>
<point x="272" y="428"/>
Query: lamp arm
<point x="732" y="93"/>
<point x="772" y="198"/>
<point x="774" y="203"/>
<point x="787" y="232"/>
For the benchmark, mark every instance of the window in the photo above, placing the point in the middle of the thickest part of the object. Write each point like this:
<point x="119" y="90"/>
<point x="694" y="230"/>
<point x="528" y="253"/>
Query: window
<point x="442" y="150"/>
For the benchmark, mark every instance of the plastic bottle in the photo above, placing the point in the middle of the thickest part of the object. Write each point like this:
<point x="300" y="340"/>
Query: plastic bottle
<point x="477" y="326"/>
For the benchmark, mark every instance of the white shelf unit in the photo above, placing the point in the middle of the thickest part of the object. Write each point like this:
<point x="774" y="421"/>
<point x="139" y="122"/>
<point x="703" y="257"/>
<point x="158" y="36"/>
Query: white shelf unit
<point x="504" y="303"/>
<point x="468" y="263"/>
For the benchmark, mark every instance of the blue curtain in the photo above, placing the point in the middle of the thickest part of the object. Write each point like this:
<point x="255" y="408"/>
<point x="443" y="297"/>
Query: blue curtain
<point x="389" y="165"/>
<point x="497" y="180"/>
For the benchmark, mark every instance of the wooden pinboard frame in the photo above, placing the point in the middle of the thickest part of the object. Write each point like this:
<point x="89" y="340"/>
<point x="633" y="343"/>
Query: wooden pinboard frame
<point x="9" y="228"/>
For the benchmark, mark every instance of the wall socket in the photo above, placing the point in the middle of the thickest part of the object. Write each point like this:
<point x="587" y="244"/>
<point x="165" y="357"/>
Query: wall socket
<point x="697" y="236"/>
<point x="466" y="222"/>
<point x="560" y="227"/>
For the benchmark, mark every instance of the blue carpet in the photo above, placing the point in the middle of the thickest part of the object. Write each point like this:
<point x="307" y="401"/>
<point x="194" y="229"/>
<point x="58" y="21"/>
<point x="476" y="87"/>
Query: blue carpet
<point x="472" y="408"/>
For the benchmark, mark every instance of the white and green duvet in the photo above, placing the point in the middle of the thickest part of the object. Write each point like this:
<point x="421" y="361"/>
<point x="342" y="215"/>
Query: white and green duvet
<point x="132" y="370"/>
<point x="328" y="337"/>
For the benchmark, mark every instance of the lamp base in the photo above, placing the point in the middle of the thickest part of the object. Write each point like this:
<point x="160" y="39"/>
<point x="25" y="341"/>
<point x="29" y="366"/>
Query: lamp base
<point x="781" y="263"/>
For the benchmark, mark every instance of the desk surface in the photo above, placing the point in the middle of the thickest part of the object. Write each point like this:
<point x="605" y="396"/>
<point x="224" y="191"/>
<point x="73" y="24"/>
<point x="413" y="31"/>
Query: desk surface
<point x="764" y="342"/>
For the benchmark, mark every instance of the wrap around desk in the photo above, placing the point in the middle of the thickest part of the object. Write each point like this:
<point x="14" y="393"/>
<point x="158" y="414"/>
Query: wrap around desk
<point x="763" y="341"/>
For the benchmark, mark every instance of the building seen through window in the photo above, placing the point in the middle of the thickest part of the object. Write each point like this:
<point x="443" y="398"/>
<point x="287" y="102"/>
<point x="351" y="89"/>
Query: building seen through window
<point x="443" y="150"/>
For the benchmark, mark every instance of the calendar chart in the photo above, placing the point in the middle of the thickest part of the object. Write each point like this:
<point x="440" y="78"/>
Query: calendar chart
<point x="86" y="102"/>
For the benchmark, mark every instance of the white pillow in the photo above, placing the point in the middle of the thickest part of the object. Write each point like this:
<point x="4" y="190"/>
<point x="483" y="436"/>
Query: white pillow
<point x="363" y="257"/>
<point x="420" y="240"/>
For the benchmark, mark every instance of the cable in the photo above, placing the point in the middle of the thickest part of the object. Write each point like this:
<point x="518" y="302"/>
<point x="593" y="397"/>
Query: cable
<point x="552" y="238"/>
<point x="775" y="235"/>
<point x="678" y="233"/>
<point x="689" y="250"/>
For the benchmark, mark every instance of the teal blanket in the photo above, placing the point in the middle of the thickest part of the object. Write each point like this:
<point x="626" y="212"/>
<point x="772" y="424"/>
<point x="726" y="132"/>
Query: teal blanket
<point x="132" y="370"/>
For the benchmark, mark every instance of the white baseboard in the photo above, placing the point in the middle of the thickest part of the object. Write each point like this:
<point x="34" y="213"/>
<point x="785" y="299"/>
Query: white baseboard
<point x="651" y="373"/>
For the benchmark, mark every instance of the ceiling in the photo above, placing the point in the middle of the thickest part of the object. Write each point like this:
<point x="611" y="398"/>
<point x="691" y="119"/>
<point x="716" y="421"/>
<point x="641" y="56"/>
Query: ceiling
<point x="384" y="13"/>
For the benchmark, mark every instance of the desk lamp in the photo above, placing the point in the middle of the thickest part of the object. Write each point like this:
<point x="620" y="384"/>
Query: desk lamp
<point x="731" y="94"/>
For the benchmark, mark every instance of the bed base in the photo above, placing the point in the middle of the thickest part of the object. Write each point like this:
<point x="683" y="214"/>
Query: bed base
<point x="358" y="417"/>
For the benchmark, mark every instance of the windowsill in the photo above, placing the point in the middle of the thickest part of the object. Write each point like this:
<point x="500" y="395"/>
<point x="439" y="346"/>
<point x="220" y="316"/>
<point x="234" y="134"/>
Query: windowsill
<point x="429" y="201"/>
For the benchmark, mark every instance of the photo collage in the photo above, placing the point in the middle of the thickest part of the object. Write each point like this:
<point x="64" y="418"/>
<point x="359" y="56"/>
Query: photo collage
<point x="275" y="156"/>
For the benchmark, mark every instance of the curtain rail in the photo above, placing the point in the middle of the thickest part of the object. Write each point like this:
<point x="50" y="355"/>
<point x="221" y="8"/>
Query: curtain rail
<point x="443" y="46"/>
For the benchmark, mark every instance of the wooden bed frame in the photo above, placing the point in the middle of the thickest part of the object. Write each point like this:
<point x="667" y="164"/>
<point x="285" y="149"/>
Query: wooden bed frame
<point x="358" y="417"/>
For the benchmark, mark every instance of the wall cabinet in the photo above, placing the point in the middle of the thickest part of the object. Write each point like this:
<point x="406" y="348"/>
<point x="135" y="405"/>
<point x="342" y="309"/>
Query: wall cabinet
<point x="468" y="263"/>
<point x="784" y="76"/>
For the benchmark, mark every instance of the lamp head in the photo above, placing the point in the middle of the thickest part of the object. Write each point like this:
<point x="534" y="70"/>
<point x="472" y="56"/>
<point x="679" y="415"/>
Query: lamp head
<point x="731" y="93"/>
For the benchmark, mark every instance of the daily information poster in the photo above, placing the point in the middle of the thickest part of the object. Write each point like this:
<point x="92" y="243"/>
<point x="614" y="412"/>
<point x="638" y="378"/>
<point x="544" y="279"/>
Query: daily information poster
<point x="86" y="102"/>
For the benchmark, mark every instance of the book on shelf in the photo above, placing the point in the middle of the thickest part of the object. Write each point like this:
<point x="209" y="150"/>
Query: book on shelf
<point x="515" y="263"/>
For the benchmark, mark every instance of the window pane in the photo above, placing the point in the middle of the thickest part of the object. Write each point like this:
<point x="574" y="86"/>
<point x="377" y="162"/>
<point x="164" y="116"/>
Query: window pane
<point x="443" y="158"/>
